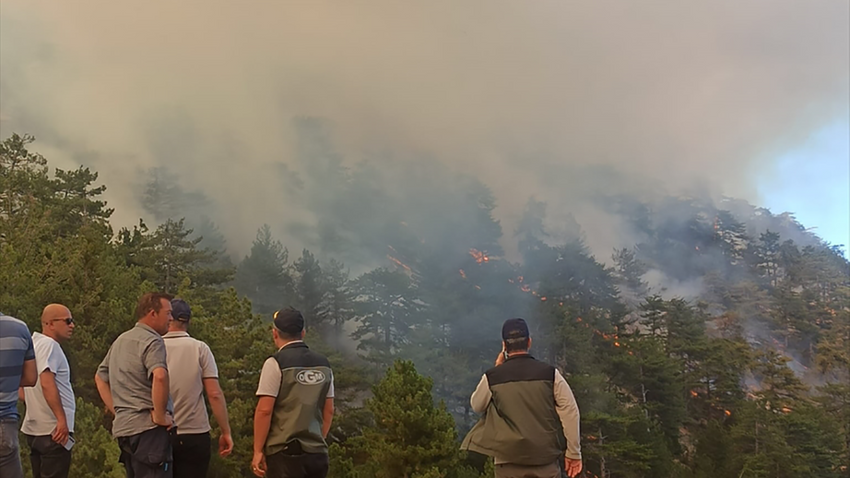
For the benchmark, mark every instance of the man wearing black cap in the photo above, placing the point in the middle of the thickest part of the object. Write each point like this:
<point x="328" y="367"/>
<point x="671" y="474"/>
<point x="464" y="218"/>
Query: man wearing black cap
<point x="193" y="371"/>
<point x="523" y="426"/>
<point x="295" y="406"/>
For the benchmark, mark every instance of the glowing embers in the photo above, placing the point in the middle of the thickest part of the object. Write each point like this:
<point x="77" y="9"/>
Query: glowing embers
<point x="397" y="261"/>
<point x="480" y="257"/>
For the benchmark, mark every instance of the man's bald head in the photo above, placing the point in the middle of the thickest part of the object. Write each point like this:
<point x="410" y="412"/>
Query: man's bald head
<point x="57" y="322"/>
<point x="54" y="311"/>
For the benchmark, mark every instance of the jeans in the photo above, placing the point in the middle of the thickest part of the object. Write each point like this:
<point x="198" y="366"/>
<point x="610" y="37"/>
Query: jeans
<point x="10" y="453"/>
<point x="192" y="453"/>
<point x="49" y="459"/>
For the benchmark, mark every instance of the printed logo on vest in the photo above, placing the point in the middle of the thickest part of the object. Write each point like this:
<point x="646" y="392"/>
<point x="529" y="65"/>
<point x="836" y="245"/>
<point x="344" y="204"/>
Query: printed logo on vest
<point x="310" y="377"/>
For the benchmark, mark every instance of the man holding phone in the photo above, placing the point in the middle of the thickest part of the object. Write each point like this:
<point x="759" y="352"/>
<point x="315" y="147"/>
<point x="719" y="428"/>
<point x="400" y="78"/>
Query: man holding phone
<point x="528" y="410"/>
<point x="49" y="421"/>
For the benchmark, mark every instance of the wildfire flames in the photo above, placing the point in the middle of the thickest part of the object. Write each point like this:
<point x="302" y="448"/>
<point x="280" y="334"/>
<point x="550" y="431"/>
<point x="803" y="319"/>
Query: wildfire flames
<point x="397" y="261"/>
<point x="480" y="257"/>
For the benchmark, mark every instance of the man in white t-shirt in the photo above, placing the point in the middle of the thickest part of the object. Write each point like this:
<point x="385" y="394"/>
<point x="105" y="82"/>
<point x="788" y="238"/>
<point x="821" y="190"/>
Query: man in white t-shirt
<point x="192" y="368"/>
<point x="49" y="421"/>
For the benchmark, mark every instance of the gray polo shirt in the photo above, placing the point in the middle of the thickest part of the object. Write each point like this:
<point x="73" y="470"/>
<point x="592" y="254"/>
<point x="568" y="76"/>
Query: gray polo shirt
<point x="128" y="368"/>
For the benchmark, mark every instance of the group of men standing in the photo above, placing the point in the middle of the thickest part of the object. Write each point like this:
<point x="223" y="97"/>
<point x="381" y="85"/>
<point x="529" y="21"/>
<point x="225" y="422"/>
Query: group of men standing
<point x="153" y="380"/>
<point x="133" y="381"/>
<point x="154" y="377"/>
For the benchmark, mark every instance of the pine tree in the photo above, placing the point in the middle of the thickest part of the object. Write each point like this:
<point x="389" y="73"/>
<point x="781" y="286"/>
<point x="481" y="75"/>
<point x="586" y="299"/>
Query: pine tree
<point x="263" y="276"/>
<point x="410" y="436"/>
<point x="387" y="309"/>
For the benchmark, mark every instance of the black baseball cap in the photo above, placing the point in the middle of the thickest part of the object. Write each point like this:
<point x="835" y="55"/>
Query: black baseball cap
<point x="514" y="329"/>
<point x="180" y="310"/>
<point x="289" y="321"/>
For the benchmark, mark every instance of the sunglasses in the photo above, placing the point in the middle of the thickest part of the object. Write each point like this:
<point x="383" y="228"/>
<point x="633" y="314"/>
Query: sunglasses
<point x="67" y="321"/>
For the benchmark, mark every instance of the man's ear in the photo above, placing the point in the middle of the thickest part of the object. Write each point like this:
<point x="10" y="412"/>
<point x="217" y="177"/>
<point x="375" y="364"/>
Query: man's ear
<point x="274" y="333"/>
<point x="529" y="343"/>
<point x="303" y="332"/>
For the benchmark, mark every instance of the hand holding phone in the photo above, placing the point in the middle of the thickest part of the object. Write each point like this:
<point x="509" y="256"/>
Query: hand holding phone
<point x="503" y="355"/>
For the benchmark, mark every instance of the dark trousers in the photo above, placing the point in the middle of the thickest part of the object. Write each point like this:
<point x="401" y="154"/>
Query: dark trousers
<point x="49" y="459"/>
<point x="521" y="471"/>
<point x="191" y="455"/>
<point x="148" y="454"/>
<point x="305" y="465"/>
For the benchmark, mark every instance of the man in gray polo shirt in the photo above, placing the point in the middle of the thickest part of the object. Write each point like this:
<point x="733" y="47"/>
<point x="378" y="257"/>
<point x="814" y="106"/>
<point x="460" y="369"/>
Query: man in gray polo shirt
<point x="133" y="383"/>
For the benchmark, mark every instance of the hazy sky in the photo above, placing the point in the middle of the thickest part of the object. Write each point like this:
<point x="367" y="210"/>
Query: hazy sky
<point x="727" y="94"/>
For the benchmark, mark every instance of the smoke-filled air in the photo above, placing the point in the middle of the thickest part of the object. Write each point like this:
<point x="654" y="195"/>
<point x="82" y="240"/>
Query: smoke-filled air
<point x="408" y="176"/>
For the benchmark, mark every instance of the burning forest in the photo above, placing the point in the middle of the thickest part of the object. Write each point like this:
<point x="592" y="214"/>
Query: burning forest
<point x="409" y="177"/>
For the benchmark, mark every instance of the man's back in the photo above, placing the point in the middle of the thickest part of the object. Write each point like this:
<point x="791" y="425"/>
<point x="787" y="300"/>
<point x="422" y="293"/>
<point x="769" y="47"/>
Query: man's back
<point x="190" y="361"/>
<point x="15" y="348"/>
<point x="526" y="429"/>
<point x="304" y="382"/>
<point x="128" y="368"/>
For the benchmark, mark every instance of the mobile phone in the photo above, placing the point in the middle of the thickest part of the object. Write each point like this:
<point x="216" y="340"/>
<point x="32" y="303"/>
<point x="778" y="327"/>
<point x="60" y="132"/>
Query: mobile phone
<point x="70" y="443"/>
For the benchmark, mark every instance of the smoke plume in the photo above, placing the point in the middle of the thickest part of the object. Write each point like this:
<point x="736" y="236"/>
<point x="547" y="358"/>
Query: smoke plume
<point x="558" y="100"/>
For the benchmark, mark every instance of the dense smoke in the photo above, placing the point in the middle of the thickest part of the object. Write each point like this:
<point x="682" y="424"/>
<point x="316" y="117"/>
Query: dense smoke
<point x="555" y="100"/>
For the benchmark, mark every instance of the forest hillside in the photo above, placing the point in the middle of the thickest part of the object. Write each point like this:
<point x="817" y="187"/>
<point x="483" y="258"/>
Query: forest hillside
<point x="717" y="344"/>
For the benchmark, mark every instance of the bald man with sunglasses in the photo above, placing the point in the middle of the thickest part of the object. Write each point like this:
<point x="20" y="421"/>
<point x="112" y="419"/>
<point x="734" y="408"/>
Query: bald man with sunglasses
<point x="49" y="422"/>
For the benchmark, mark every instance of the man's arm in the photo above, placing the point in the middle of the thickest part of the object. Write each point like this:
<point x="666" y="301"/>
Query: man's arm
<point x="29" y="375"/>
<point x="219" y="409"/>
<point x="105" y="392"/>
<point x="159" y="396"/>
<point x="54" y="401"/>
<point x="327" y="416"/>
<point x="567" y="408"/>
<point x="481" y="396"/>
<point x="262" y="422"/>
<point x="267" y="390"/>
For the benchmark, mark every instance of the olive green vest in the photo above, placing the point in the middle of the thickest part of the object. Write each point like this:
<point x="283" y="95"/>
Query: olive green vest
<point x="297" y="417"/>
<point x="521" y="424"/>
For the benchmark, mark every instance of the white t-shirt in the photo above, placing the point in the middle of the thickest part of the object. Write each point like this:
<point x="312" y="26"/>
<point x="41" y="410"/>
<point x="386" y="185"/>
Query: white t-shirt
<point x="270" y="378"/>
<point x="190" y="361"/>
<point x="39" y="419"/>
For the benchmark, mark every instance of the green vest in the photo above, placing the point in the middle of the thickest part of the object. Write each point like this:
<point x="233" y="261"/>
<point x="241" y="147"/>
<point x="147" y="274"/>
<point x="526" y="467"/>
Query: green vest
<point x="298" y="409"/>
<point x="520" y="424"/>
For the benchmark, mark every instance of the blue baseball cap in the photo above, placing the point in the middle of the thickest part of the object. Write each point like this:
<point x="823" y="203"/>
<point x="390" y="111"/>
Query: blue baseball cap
<point x="180" y="310"/>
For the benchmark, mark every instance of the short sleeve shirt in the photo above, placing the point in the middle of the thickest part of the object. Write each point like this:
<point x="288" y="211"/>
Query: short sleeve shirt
<point x="39" y="419"/>
<point x="270" y="378"/>
<point x="190" y="361"/>
<point x="128" y="368"/>
<point x="15" y="349"/>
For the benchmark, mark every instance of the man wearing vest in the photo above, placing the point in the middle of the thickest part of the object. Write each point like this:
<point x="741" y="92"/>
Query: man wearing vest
<point x="192" y="371"/>
<point x="49" y="422"/>
<point x="528" y="409"/>
<point x="295" y="406"/>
